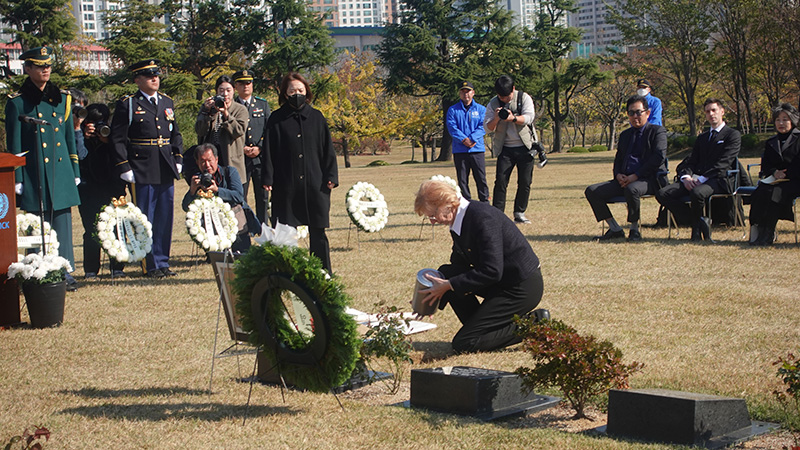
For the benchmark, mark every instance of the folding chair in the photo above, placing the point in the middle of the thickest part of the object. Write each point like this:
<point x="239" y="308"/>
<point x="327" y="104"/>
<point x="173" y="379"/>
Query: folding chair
<point x="732" y="172"/>
<point x="747" y="191"/>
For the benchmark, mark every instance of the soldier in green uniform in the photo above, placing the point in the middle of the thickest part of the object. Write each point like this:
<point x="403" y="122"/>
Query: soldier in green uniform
<point x="39" y="122"/>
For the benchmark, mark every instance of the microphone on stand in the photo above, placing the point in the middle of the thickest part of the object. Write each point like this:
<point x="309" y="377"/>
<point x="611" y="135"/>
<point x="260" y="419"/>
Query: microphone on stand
<point x="31" y="120"/>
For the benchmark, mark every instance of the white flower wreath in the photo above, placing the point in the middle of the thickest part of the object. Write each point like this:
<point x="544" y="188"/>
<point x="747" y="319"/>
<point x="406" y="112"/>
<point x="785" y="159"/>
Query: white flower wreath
<point x="29" y="225"/>
<point x="124" y="231"/>
<point x="449" y="181"/>
<point x="367" y="207"/>
<point x="212" y="223"/>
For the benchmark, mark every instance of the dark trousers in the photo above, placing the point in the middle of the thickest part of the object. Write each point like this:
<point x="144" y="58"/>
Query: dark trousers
<point x="61" y="222"/>
<point x="599" y="194"/>
<point x="672" y="197"/>
<point x="261" y="194"/>
<point x="770" y="202"/>
<point x="489" y="325"/>
<point x="318" y="246"/>
<point x="508" y="158"/>
<point x="93" y="199"/>
<point x="156" y="202"/>
<point x="475" y="162"/>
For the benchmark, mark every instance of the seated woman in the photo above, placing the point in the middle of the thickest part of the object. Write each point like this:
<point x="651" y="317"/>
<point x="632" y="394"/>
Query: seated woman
<point x="491" y="259"/>
<point x="771" y="202"/>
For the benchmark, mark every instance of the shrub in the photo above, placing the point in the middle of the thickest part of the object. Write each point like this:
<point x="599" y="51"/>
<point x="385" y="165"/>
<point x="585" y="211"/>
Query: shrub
<point x="378" y="162"/>
<point x="412" y="161"/>
<point x="578" y="150"/>
<point x="680" y="142"/>
<point x="789" y="395"/>
<point x="598" y="148"/>
<point x="386" y="341"/>
<point x="29" y="440"/>
<point x="750" y="142"/>
<point x="581" y="367"/>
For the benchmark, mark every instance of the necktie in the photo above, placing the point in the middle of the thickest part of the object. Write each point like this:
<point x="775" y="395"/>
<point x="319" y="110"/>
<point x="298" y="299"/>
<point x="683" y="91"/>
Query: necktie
<point x="712" y="136"/>
<point x="153" y="101"/>
<point x="246" y="104"/>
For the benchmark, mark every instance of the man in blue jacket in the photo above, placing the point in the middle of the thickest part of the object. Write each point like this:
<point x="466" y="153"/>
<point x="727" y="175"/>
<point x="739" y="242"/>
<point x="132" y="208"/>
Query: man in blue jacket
<point x="465" y="125"/>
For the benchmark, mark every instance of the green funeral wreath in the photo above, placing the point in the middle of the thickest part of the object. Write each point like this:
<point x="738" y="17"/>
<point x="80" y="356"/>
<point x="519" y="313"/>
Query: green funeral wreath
<point x="337" y="362"/>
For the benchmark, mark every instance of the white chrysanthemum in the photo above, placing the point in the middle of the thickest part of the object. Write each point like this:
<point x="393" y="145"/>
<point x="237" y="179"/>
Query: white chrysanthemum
<point x="123" y="231"/>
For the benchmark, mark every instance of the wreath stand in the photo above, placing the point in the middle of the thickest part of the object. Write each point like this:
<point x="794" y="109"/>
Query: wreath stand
<point x="310" y="355"/>
<point x="422" y="228"/>
<point x="222" y="262"/>
<point x="358" y="240"/>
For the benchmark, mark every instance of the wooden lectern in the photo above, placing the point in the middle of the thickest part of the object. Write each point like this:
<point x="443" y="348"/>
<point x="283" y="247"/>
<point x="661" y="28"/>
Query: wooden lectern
<point x="9" y="293"/>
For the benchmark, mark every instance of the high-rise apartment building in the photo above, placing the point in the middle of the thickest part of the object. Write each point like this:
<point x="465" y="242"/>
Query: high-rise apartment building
<point x="89" y="15"/>
<point x="598" y="34"/>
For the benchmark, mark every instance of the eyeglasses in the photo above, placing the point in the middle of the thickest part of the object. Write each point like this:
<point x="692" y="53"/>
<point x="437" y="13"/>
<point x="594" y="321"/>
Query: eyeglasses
<point x="638" y="112"/>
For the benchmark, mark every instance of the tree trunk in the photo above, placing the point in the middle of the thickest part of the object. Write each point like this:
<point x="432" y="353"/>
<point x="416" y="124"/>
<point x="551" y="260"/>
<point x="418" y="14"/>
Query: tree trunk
<point x="446" y="153"/>
<point x="413" y="147"/>
<point x="346" y="153"/>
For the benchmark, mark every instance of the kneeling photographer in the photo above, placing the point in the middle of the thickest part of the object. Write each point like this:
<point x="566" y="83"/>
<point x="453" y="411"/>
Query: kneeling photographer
<point x="224" y="182"/>
<point x="99" y="184"/>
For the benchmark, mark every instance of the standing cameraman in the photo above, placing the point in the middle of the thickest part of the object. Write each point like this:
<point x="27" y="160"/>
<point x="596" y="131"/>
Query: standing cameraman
<point x="223" y="122"/>
<point x="99" y="185"/>
<point x="258" y="108"/>
<point x="509" y="117"/>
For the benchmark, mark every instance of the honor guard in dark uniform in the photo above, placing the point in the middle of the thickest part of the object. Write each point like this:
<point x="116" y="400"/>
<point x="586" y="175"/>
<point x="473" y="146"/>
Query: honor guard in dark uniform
<point x="147" y="154"/>
<point x="39" y="122"/>
<point x="254" y="139"/>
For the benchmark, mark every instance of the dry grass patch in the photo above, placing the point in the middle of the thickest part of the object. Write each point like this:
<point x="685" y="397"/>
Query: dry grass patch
<point x="130" y="365"/>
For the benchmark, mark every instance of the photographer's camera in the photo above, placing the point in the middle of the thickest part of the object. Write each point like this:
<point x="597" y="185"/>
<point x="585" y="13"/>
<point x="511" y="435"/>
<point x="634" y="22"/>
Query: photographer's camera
<point x="206" y="180"/>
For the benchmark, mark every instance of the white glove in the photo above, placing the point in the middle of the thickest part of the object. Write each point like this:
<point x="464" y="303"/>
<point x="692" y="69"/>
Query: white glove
<point x="18" y="188"/>
<point x="179" y="166"/>
<point x="127" y="177"/>
<point x="77" y="181"/>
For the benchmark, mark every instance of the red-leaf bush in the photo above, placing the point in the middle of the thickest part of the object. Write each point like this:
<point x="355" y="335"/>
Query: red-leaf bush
<point x="789" y="395"/>
<point x="581" y="367"/>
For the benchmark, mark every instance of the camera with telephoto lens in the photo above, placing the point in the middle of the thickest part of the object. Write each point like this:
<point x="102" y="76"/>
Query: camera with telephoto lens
<point x="102" y="129"/>
<point x="206" y="180"/>
<point x="503" y="113"/>
<point x="79" y="111"/>
<point x="219" y="101"/>
<point x="540" y="153"/>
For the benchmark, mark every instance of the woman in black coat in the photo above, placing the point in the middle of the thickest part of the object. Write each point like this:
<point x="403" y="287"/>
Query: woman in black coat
<point x="300" y="165"/>
<point x="770" y="202"/>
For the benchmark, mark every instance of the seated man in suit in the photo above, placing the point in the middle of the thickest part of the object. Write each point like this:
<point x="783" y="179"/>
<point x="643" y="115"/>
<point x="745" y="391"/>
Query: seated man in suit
<point x="704" y="172"/>
<point x="639" y="169"/>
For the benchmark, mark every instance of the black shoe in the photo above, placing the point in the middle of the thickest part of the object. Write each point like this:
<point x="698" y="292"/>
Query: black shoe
<point x="156" y="273"/>
<point x="634" y="236"/>
<point x="696" y="236"/>
<point x="705" y="229"/>
<point x="72" y="283"/>
<point x="167" y="272"/>
<point x="90" y="276"/>
<point x="520" y="218"/>
<point x="118" y="274"/>
<point x="619" y="234"/>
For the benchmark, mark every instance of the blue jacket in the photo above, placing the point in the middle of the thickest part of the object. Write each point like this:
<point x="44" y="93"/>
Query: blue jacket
<point x="654" y="105"/>
<point x="466" y="123"/>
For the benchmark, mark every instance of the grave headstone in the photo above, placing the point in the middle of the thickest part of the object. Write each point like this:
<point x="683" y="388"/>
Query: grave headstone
<point x="680" y="417"/>
<point x="482" y="393"/>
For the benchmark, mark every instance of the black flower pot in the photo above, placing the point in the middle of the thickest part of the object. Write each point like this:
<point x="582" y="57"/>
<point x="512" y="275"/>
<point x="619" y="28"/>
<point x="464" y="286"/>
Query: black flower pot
<point x="45" y="303"/>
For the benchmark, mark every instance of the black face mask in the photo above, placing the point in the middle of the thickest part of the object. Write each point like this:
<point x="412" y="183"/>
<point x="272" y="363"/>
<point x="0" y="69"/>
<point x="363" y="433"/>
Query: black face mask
<point x="296" y="101"/>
